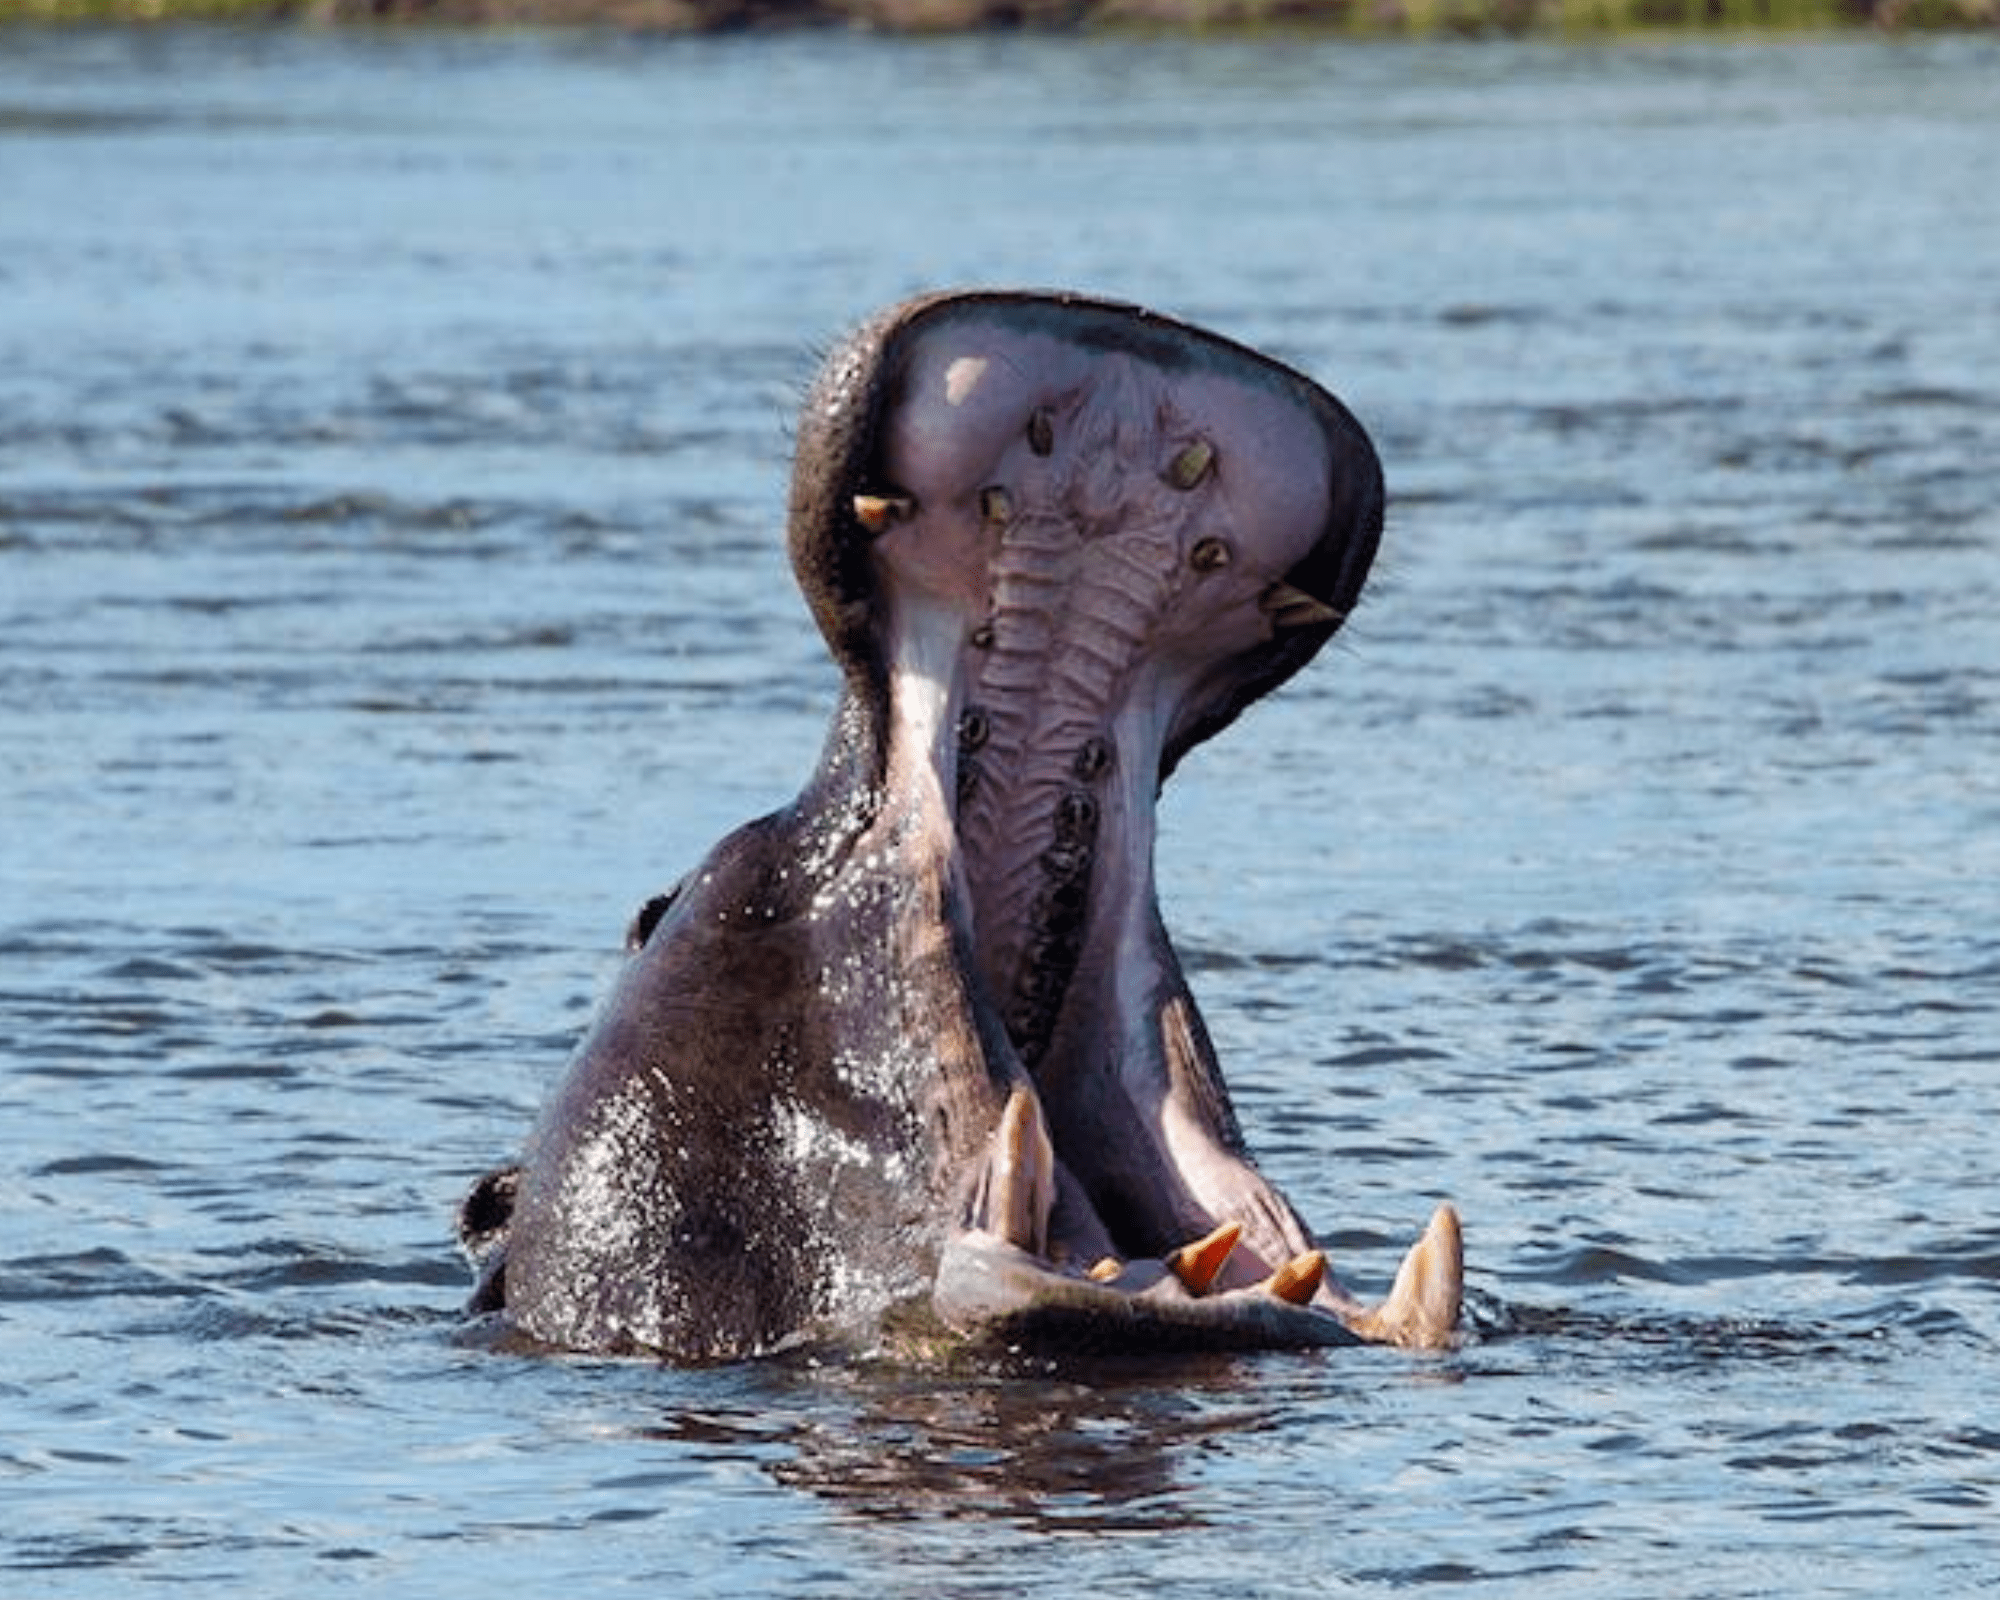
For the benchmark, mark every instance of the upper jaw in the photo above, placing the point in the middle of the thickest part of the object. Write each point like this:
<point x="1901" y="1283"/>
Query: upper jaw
<point x="1081" y="533"/>
<point x="1090" y="538"/>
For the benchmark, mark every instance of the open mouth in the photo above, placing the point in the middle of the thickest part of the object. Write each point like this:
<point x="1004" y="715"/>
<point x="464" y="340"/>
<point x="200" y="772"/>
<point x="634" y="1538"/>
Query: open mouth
<point x="1098" y="536"/>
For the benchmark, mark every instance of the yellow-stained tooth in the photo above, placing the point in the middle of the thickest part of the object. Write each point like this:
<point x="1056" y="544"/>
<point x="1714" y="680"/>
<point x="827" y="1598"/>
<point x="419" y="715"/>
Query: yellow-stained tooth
<point x="1190" y="464"/>
<point x="1106" y="1270"/>
<point x="1289" y="606"/>
<point x="1197" y="1265"/>
<point x="876" y="511"/>
<point x="1298" y="1280"/>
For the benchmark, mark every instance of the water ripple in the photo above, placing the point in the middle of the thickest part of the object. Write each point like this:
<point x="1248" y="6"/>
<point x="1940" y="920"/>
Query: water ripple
<point x="393" y="598"/>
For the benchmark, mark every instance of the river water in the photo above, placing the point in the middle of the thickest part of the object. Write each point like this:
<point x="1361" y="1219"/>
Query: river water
<point x="393" y="436"/>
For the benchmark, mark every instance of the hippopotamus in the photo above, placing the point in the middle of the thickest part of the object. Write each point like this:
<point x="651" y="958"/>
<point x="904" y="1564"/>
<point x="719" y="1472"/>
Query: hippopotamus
<point x="913" y="1056"/>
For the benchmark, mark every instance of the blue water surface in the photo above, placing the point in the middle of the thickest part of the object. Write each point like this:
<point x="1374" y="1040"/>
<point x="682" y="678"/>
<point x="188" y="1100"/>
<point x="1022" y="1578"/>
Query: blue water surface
<point x="393" y="438"/>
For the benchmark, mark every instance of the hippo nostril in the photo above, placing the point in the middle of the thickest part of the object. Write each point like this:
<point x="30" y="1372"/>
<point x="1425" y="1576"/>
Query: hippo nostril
<point x="1041" y="431"/>
<point x="1209" y="555"/>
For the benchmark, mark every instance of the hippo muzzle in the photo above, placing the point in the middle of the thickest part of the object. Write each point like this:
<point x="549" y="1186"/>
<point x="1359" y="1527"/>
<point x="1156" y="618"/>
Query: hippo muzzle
<point x="920" y="1040"/>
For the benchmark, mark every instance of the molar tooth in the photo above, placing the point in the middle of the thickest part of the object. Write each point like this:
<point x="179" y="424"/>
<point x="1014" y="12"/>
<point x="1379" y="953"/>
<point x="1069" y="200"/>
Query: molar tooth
<point x="1106" y="1270"/>
<point x="996" y="504"/>
<point x="1191" y="464"/>
<point x="982" y="636"/>
<point x="1209" y="555"/>
<point x="1064" y="863"/>
<point x="1298" y="1280"/>
<point x="1076" y="819"/>
<point x="1092" y="757"/>
<point x="974" y="728"/>
<point x="1058" y="913"/>
<point x="1289" y="606"/>
<point x="875" y="512"/>
<point x="1068" y="889"/>
<point x="1198" y="1265"/>
<point x="1041" y="982"/>
<point x="1053" y="950"/>
<point x="1041" y="431"/>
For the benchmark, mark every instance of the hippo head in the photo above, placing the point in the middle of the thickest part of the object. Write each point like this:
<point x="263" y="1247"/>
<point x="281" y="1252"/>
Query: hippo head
<point x="921" y="1037"/>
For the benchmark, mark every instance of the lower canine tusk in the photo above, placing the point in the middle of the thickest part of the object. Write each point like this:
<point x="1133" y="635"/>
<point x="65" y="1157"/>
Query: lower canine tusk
<point x="1018" y="1188"/>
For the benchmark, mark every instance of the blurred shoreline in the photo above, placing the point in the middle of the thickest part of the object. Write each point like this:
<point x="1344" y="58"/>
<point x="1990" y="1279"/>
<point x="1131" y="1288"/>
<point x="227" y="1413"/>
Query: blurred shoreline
<point x="1357" y="18"/>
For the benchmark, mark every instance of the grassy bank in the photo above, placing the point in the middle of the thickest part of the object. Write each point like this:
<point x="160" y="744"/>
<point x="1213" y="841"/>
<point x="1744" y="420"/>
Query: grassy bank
<point x="1381" y="18"/>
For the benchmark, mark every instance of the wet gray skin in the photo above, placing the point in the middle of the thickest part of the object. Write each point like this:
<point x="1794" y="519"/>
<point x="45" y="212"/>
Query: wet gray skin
<point x="919" y="1042"/>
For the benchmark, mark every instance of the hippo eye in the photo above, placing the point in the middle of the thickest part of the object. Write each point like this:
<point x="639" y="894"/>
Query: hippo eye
<point x="1209" y="555"/>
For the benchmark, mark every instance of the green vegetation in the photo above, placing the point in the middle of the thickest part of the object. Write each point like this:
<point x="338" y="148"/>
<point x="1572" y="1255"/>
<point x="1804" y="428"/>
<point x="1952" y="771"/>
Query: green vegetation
<point x="1379" y="18"/>
<point x="136" y="10"/>
<point x="1549" y="17"/>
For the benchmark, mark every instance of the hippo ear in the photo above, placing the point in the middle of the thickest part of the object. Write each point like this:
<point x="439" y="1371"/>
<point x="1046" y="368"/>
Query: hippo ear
<point x="649" y="915"/>
<point x="487" y="1210"/>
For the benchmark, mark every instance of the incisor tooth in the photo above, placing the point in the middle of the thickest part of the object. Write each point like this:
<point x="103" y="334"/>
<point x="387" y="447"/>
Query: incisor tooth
<point x="1106" y="1270"/>
<point x="1197" y="1265"/>
<point x="1298" y="1280"/>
